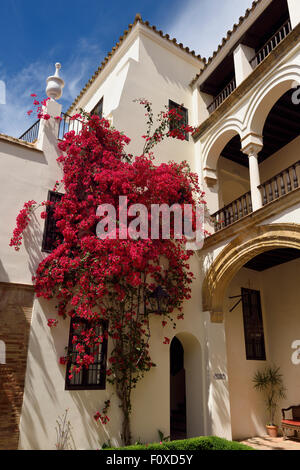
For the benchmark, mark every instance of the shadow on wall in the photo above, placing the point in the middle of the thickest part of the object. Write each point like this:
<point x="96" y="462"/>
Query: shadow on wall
<point x="46" y="398"/>
<point x="193" y="365"/>
<point x="33" y="237"/>
<point x="3" y="273"/>
<point x="218" y="398"/>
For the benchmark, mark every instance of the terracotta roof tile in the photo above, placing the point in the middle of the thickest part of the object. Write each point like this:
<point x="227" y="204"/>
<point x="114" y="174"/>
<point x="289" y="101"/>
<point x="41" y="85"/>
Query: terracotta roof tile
<point x="137" y="19"/>
<point x="226" y="39"/>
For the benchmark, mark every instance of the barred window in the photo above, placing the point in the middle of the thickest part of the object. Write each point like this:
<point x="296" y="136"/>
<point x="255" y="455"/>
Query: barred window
<point x="253" y="325"/>
<point x="93" y="377"/>
<point x="183" y="112"/>
<point x="98" y="109"/>
<point x="52" y="237"/>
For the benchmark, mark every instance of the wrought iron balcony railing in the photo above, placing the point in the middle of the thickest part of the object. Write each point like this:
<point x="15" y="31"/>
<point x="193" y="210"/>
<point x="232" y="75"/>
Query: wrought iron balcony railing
<point x="68" y="124"/>
<point x="32" y="133"/>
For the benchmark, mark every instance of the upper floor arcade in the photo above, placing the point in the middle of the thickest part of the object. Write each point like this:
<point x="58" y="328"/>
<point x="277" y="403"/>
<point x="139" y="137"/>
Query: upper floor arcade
<point x="247" y="147"/>
<point x="259" y="33"/>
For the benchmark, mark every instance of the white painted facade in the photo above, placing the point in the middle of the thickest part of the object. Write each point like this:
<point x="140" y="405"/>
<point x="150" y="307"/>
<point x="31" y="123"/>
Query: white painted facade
<point x="148" y="66"/>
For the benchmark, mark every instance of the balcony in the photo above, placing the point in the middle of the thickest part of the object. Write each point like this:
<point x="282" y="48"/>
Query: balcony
<point x="271" y="44"/>
<point x="222" y="96"/>
<point x="66" y="124"/>
<point x="31" y="135"/>
<point x="274" y="188"/>
<point x="259" y="57"/>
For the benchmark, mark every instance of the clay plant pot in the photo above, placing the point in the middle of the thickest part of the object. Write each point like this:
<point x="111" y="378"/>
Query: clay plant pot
<point x="272" y="431"/>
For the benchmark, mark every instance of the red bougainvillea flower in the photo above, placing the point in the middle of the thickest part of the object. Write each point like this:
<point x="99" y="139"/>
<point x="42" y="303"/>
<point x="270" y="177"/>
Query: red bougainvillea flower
<point x="108" y="281"/>
<point x="52" y="322"/>
<point x="22" y="221"/>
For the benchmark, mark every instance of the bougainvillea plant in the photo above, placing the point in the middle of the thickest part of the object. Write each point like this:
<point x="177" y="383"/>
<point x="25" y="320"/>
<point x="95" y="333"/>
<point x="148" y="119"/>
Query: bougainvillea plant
<point x="113" y="279"/>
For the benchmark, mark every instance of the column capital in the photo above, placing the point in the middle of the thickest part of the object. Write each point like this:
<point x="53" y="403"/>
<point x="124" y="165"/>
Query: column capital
<point x="252" y="144"/>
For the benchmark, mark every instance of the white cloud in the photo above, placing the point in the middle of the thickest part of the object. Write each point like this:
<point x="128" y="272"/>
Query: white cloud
<point x="76" y="71"/>
<point x="201" y="24"/>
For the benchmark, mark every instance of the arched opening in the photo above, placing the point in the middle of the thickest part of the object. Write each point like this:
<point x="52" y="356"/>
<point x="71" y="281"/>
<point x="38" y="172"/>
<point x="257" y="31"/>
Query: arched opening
<point x="177" y="391"/>
<point x="277" y="119"/>
<point x="186" y="387"/>
<point x="237" y="253"/>
<point x="233" y="172"/>
<point x="253" y="287"/>
<point x="261" y="314"/>
<point x="266" y="100"/>
<point x="212" y="172"/>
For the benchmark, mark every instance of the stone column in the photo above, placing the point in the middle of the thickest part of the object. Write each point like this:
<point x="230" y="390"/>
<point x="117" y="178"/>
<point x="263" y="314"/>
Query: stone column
<point x="251" y="146"/>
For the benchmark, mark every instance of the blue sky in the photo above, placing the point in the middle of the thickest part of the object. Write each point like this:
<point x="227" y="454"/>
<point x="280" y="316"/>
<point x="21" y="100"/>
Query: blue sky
<point x="37" y="33"/>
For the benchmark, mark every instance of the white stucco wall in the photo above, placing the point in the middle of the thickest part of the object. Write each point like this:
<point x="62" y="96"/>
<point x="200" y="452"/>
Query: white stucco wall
<point x="45" y="397"/>
<point x="129" y="79"/>
<point x="280" y="308"/>
<point x="25" y="174"/>
<point x="145" y="67"/>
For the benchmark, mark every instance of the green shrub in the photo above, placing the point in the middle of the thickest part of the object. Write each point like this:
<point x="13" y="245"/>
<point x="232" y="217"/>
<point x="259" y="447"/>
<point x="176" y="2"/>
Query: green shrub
<point x="197" y="443"/>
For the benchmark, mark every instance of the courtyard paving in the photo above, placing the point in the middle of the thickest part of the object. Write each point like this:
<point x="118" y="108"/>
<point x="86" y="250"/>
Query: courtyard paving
<point x="272" y="443"/>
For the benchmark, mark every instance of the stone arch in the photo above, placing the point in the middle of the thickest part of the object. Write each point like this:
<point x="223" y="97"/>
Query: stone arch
<point x="194" y="380"/>
<point x="237" y="253"/>
<point x="266" y="97"/>
<point x="214" y="148"/>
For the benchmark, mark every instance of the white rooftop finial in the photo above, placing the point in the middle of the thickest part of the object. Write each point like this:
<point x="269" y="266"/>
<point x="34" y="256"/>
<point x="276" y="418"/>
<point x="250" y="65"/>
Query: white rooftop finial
<point x="58" y="67"/>
<point x="55" y="84"/>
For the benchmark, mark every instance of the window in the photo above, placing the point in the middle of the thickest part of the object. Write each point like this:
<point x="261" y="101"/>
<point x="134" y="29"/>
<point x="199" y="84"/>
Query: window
<point x="180" y="110"/>
<point x="98" y="109"/>
<point x="253" y="325"/>
<point x="93" y="377"/>
<point x="51" y="236"/>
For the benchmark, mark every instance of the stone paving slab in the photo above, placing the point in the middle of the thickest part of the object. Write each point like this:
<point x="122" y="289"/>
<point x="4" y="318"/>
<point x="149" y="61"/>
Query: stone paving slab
<point x="272" y="443"/>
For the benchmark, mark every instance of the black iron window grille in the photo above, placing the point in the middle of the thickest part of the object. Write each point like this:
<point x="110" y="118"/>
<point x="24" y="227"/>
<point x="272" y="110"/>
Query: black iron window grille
<point x="52" y="237"/>
<point x="185" y="117"/>
<point x="93" y="377"/>
<point x="253" y="325"/>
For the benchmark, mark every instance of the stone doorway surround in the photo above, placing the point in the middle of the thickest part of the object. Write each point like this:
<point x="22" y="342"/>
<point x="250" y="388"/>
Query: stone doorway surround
<point x="250" y="243"/>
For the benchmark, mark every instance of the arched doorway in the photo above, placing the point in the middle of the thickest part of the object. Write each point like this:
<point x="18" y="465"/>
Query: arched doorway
<point x="236" y="254"/>
<point x="177" y="391"/>
<point x="252" y="286"/>
<point x="187" y="408"/>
